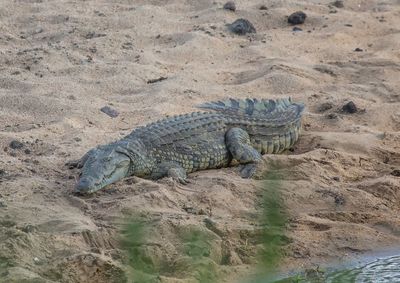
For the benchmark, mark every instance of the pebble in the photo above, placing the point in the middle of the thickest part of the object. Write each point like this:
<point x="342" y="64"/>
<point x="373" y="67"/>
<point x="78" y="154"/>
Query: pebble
<point x="28" y="228"/>
<point x="350" y="107"/>
<point x="242" y="26"/>
<point x="93" y="34"/>
<point x="332" y="116"/>
<point x="14" y="144"/>
<point x="297" y="18"/>
<point x="358" y="50"/>
<point x="325" y="106"/>
<point x="263" y="7"/>
<point x="230" y="5"/>
<point x="152" y="81"/>
<point x="338" y="4"/>
<point x="297" y="29"/>
<point x="109" y="111"/>
<point x="395" y="173"/>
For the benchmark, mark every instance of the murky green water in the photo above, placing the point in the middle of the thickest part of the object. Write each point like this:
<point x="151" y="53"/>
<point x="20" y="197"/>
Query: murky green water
<point x="382" y="270"/>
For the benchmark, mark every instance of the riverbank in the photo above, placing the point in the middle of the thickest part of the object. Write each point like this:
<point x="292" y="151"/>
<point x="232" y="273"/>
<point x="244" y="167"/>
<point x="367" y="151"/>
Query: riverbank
<point x="63" y="61"/>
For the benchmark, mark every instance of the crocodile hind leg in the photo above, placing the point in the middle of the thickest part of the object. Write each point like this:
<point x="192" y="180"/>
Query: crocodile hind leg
<point x="170" y="169"/>
<point x="239" y="145"/>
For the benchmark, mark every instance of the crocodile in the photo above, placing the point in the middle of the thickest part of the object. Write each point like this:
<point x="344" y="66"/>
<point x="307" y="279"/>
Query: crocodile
<point x="233" y="129"/>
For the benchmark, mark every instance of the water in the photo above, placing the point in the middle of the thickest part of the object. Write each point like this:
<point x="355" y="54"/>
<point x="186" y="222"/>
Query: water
<point x="382" y="270"/>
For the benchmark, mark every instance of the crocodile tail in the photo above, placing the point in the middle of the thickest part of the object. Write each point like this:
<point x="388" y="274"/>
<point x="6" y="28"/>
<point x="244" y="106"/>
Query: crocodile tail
<point x="257" y="108"/>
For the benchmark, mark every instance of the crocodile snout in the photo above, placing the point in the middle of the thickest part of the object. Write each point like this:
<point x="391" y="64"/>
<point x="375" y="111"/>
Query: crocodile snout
<point x="85" y="185"/>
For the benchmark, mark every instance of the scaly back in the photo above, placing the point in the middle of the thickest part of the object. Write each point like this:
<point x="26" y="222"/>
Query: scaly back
<point x="273" y="125"/>
<point x="267" y="111"/>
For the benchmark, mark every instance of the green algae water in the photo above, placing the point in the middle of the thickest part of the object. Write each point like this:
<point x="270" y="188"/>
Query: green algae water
<point x="382" y="270"/>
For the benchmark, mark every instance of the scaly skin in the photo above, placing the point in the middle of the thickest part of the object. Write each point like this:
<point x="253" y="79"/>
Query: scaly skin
<point x="238" y="129"/>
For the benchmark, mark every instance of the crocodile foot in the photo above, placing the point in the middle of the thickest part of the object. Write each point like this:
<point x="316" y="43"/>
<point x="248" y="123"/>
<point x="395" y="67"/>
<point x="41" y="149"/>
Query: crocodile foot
<point x="178" y="175"/>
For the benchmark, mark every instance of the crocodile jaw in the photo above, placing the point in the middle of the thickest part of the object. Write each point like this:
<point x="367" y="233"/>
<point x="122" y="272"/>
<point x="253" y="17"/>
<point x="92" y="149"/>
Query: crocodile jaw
<point x="87" y="185"/>
<point x="101" y="170"/>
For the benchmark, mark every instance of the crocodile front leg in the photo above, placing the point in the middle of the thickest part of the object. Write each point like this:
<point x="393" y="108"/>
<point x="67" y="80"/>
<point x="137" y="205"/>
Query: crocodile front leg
<point x="170" y="169"/>
<point x="239" y="145"/>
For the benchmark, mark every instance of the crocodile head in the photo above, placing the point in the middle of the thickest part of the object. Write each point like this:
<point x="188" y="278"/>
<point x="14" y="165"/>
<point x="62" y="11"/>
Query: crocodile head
<point x="104" y="166"/>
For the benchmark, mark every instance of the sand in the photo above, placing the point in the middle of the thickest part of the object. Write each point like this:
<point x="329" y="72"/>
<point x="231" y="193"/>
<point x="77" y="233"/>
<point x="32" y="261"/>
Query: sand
<point x="62" y="61"/>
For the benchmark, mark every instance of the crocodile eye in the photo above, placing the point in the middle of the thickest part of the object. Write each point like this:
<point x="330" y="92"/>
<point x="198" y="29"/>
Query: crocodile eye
<point x="106" y="159"/>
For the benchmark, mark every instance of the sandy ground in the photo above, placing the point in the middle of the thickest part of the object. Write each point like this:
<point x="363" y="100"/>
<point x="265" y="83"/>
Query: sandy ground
<point x="62" y="61"/>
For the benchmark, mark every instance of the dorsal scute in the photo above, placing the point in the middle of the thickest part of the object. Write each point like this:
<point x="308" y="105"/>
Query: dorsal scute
<point x="252" y="107"/>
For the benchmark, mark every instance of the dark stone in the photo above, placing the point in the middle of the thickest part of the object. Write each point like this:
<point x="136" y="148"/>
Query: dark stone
<point x="358" y="50"/>
<point x="338" y="4"/>
<point x="93" y="34"/>
<point x="27" y="151"/>
<point x="297" y="29"/>
<point x="337" y="179"/>
<point x="325" y="106"/>
<point x="348" y="25"/>
<point x="16" y="144"/>
<point x="242" y="26"/>
<point x="28" y="228"/>
<point x="230" y="5"/>
<point x="350" y="107"/>
<point x="297" y="18"/>
<point x="263" y="7"/>
<point x="339" y="200"/>
<point x="332" y="116"/>
<point x="152" y="81"/>
<point x="395" y="172"/>
<point x="109" y="111"/>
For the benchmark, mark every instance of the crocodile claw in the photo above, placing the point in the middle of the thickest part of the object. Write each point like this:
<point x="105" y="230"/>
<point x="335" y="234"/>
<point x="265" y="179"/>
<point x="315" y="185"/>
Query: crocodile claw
<point x="248" y="170"/>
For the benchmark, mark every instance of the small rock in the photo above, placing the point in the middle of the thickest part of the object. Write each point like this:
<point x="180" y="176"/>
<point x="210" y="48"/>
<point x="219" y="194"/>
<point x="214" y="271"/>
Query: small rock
<point x="93" y="34"/>
<point x="325" y="106"/>
<point x="27" y="151"/>
<point x="350" y="107"/>
<point x="338" y="4"/>
<point x="28" y="228"/>
<point x="77" y="139"/>
<point x="395" y="173"/>
<point x="348" y="25"/>
<point x="358" y="50"/>
<point x="242" y="26"/>
<point x="297" y="18"/>
<point x="37" y="261"/>
<point x="337" y="179"/>
<point x="16" y="144"/>
<point x="2" y="172"/>
<point x="296" y="29"/>
<point x="152" y="81"/>
<point x="109" y="111"/>
<point x="339" y="200"/>
<point x="230" y="5"/>
<point x="190" y="209"/>
<point x="332" y="116"/>
<point x="263" y="7"/>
